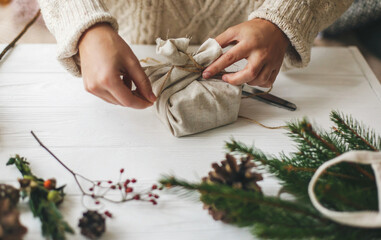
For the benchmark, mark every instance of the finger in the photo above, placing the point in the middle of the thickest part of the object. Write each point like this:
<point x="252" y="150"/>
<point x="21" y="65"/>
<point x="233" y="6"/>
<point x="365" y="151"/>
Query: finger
<point x="140" y="79"/>
<point x="99" y="92"/>
<point x="106" y="96"/>
<point x="263" y="78"/>
<point x="233" y="55"/>
<point x="273" y="76"/>
<point x="124" y="95"/>
<point x="248" y="74"/>
<point x="225" y="38"/>
<point x="127" y="80"/>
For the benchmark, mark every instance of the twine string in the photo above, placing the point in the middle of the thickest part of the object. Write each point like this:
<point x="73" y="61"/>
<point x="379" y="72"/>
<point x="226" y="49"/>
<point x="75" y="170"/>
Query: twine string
<point x="260" y="124"/>
<point x="197" y="68"/>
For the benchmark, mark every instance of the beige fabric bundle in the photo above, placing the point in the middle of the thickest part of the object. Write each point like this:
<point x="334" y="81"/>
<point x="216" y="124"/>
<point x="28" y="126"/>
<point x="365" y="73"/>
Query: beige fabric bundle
<point x="186" y="103"/>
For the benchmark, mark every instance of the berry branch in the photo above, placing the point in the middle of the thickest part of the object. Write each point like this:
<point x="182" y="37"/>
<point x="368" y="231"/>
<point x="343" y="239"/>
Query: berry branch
<point x="100" y="189"/>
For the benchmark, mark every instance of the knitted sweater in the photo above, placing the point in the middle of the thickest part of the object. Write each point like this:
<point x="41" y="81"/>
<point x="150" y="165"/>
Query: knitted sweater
<point x="360" y="14"/>
<point x="142" y="21"/>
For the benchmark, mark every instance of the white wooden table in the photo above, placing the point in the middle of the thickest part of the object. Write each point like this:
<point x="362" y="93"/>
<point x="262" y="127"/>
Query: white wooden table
<point x="97" y="139"/>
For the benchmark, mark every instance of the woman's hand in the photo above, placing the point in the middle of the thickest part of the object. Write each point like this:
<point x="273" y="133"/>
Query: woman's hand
<point x="261" y="42"/>
<point x="105" y="57"/>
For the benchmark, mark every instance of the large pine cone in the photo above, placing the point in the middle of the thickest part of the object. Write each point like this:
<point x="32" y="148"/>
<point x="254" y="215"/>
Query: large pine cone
<point x="10" y="226"/>
<point x="236" y="175"/>
<point x="92" y="224"/>
<point x="9" y="192"/>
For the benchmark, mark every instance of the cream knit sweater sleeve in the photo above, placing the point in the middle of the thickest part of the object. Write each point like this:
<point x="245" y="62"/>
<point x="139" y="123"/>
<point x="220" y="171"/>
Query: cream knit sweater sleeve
<point x="301" y="21"/>
<point x="67" y="20"/>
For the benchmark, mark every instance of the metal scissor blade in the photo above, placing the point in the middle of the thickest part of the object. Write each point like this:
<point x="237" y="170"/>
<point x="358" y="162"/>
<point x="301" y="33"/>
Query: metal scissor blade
<point x="267" y="98"/>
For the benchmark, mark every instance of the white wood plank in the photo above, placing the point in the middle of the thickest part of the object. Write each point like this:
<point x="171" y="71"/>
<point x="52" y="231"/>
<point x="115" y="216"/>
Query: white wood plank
<point x="97" y="139"/>
<point x="330" y="61"/>
<point x="41" y="58"/>
<point x="367" y="71"/>
<point x="137" y="220"/>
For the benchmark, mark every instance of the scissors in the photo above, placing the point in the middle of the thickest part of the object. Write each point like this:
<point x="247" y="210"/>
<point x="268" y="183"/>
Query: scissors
<point x="268" y="98"/>
<point x="262" y="96"/>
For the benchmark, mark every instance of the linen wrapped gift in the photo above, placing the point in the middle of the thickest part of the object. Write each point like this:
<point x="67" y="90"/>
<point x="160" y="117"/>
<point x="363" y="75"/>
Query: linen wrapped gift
<point x="186" y="103"/>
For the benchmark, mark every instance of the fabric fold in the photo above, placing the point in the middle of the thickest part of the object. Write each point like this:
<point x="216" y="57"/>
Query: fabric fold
<point x="188" y="104"/>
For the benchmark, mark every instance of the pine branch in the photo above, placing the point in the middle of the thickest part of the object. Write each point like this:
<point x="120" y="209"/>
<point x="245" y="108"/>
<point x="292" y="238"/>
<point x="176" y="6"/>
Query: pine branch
<point x="53" y="224"/>
<point x="343" y="187"/>
<point x="237" y="147"/>
<point x="354" y="133"/>
<point x="311" y="143"/>
<point x="242" y="196"/>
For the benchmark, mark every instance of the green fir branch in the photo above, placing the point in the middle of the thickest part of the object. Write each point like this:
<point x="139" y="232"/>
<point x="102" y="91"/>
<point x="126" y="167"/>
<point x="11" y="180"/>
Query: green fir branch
<point x="343" y="187"/>
<point x="53" y="225"/>
<point x="242" y="196"/>
<point x="354" y="133"/>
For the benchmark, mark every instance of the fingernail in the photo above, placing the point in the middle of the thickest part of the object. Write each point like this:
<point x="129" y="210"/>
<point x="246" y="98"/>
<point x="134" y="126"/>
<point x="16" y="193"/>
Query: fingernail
<point x="224" y="78"/>
<point x="206" y="75"/>
<point x="152" y="97"/>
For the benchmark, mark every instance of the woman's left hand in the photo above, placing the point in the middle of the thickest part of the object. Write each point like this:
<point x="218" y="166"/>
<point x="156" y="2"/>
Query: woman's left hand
<point x="261" y="42"/>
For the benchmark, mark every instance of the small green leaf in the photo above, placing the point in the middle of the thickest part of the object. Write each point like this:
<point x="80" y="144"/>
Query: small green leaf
<point x="11" y="161"/>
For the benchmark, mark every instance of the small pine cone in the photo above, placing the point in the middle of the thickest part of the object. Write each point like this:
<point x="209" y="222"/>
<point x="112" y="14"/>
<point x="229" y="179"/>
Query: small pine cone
<point x="4" y="2"/>
<point x="9" y="192"/>
<point x="235" y="175"/>
<point x="10" y="226"/>
<point x="92" y="224"/>
<point x="240" y="176"/>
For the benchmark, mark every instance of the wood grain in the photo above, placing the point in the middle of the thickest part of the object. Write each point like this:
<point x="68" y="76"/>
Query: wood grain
<point x="97" y="139"/>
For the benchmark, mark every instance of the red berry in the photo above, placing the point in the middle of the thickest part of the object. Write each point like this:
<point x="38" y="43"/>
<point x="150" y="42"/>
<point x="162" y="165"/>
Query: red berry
<point x="156" y="196"/>
<point x="97" y="202"/>
<point x="150" y="195"/>
<point x="109" y="182"/>
<point x="129" y="189"/>
<point x="137" y="197"/>
<point x="121" y="170"/>
<point x="92" y="195"/>
<point x="133" y="180"/>
<point x="108" y="214"/>
<point x="113" y="187"/>
<point x="153" y="201"/>
<point x="120" y="187"/>
<point x="50" y="184"/>
<point x="91" y="189"/>
<point x="154" y="186"/>
<point x="99" y="183"/>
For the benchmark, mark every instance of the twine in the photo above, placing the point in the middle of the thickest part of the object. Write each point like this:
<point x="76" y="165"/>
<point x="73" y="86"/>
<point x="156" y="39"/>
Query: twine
<point x="197" y="68"/>
<point x="194" y="68"/>
<point x="260" y="124"/>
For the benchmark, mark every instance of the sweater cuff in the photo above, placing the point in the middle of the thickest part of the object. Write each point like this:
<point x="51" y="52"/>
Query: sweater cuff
<point x="72" y="21"/>
<point x="297" y="21"/>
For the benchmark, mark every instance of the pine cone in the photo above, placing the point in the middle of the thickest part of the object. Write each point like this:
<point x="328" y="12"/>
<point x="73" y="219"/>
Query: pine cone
<point x="9" y="192"/>
<point x="4" y="2"/>
<point x="92" y="224"/>
<point x="10" y="226"/>
<point x="230" y="173"/>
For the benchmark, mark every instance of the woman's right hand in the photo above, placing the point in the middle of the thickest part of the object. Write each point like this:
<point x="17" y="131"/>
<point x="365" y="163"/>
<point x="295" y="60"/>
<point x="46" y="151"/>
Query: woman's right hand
<point x="109" y="67"/>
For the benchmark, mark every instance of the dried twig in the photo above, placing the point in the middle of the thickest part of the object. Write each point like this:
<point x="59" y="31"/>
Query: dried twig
<point x="100" y="189"/>
<point x="27" y="26"/>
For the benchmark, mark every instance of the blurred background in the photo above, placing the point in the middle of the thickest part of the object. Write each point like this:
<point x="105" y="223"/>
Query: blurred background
<point x="359" y="26"/>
